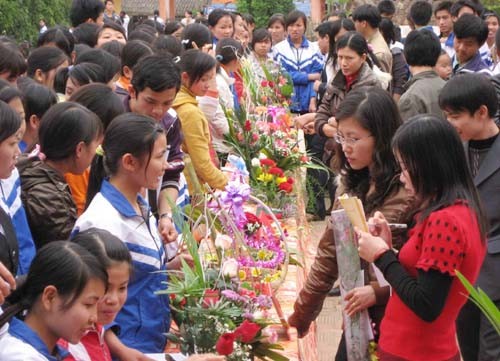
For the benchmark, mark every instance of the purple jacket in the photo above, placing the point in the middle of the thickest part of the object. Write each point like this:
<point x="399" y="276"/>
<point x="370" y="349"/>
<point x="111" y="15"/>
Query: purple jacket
<point x="170" y="122"/>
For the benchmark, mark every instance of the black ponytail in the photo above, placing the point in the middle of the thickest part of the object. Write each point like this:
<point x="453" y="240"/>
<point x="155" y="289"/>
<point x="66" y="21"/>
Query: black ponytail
<point x="128" y="133"/>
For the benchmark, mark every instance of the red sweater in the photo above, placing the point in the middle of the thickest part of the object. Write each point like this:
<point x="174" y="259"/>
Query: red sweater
<point x="91" y="347"/>
<point x="446" y="240"/>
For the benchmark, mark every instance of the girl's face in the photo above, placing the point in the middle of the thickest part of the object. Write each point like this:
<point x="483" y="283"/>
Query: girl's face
<point x="357" y="143"/>
<point x="262" y="48"/>
<point x="151" y="174"/>
<point x="17" y="105"/>
<point x="108" y="35"/>
<point x="404" y="177"/>
<point x="492" y="23"/>
<point x="278" y="32"/>
<point x="73" y="323"/>
<point x="71" y="87"/>
<point x="443" y="66"/>
<point x="201" y="86"/>
<point x="296" y="30"/>
<point x="240" y="26"/>
<point x="116" y="295"/>
<point x="349" y="61"/>
<point x="223" y="28"/>
<point x="84" y="155"/>
<point x="47" y="78"/>
<point x="9" y="152"/>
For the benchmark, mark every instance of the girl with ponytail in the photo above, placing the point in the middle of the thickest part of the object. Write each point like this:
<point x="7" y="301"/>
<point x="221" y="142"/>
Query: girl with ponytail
<point x="132" y="157"/>
<point x="60" y="296"/>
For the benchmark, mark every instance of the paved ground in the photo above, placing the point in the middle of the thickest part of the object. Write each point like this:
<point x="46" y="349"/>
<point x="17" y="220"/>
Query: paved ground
<point x="329" y="322"/>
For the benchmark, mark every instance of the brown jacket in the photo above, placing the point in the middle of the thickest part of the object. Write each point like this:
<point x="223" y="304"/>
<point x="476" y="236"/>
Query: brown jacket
<point x="336" y="92"/>
<point x="324" y="271"/>
<point x="47" y="200"/>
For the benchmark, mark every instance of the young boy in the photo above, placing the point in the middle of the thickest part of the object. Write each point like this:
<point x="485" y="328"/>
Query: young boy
<point x="469" y="102"/>
<point x="470" y="34"/>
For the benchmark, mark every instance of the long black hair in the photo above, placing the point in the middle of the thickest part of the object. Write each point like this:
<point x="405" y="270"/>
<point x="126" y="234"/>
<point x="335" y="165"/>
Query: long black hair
<point x="64" y="126"/>
<point x="128" y="133"/>
<point x="66" y="266"/>
<point x="375" y="110"/>
<point x="10" y="122"/>
<point x="196" y="64"/>
<point x="432" y="152"/>
<point x="337" y="25"/>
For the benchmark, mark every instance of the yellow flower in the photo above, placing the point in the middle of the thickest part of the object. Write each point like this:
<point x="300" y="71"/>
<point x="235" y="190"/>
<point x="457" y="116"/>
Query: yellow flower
<point x="280" y="180"/>
<point x="255" y="272"/>
<point x="265" y="177"/>
<point x="261" y="254"/>
<point x="242" y="275"/>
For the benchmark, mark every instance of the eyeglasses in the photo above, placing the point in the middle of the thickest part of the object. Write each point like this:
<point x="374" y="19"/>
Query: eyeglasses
<point x="348" y="141"/>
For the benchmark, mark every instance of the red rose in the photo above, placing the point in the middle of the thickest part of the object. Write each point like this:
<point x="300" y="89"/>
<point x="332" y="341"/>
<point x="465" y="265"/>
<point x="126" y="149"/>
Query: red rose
<point x="264" y="83"/>
<point x="271" y="84"/>
<point x="268" y="162"/>
<point x="247" y="331"/>
<point x="224" y="345"/>
<point x="248" y="125"/>
<point x="290" y="180"/>
<point x="286" y="187"/>
<point x="276" y="171"/>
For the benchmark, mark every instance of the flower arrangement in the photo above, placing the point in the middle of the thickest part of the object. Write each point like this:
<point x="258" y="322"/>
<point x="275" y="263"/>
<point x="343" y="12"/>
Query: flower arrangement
<point x="273" y="87"/>
<point x="223" y="303"/>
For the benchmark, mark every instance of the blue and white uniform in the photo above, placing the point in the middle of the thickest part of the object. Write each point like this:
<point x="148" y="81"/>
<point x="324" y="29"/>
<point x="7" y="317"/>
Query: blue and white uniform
<point x="145" y="317"/>
<point x="21" y="343"/>
<point x="299" y="63"/>
<point x="10" y="201"/>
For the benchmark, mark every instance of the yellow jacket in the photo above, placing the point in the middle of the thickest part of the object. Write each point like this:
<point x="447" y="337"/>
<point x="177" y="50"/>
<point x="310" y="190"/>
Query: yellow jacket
<point x="196" y="141"/>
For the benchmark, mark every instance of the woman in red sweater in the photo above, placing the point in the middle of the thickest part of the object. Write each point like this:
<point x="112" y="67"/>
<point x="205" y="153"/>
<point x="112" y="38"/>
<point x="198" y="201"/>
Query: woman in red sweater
<point x="449" y="233"/>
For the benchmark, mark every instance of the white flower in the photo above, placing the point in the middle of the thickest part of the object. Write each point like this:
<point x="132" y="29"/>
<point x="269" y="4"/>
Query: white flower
<point x="230" y="268"/>
<point x="223" y="241"/>
<point x="262" y="156"/>
<point x="255" y="162"/>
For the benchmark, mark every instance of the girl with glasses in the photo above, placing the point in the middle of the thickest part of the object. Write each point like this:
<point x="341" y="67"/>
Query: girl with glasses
<point x="367" y="122"/>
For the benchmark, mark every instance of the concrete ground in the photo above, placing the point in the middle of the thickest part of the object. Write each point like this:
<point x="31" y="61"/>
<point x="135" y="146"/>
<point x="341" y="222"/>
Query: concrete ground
<point x="329" y="322"/>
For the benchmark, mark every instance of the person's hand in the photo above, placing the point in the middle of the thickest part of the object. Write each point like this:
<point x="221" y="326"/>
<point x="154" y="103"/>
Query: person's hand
<point x="207" y="48"/>
<point x="206" y="357"/>
<point x="332" y="122"/>
<point x="176" y="263"/>
<point x="370" y="247"/>
<point x="312" y="105"/>
<point x="379" y="227"/>
<point x="301" y="326"/>
<point x="309" y="128"/>
<point x="7" y="283"/>
<point x="316" y="85"/>
<point x="359" y="299"/>
<point x="304" y="119"/>
<point x="167" y="230"/>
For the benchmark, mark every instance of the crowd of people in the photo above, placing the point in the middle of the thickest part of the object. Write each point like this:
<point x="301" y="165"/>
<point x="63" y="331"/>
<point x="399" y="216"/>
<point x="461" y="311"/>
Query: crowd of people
<point x="98" y="120"/>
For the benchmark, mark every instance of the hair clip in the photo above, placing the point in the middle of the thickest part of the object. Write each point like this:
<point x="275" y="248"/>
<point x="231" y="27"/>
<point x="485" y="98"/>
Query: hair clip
<point x="176" y="59"/>
<point x="185" y="41"/>
<point x="219" y="57"/>
<point x="99" y="151"/>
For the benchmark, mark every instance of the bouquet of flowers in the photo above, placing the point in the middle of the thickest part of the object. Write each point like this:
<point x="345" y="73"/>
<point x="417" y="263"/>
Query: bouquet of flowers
<point x="222" y="304"/>
<point x="274" y="88"/>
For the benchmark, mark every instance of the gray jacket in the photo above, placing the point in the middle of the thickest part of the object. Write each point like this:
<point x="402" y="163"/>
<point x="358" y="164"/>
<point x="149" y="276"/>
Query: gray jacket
<point x="487" y="181"/>
<point x="421" y="95"/>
